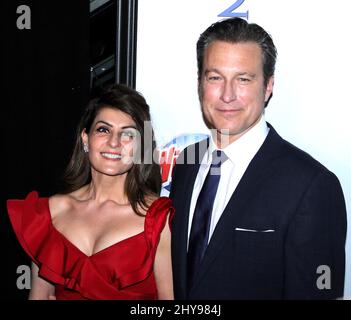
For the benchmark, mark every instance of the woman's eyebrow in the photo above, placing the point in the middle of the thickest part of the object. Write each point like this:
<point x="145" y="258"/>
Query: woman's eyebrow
<point x="130" y="127"/>
<point x="104" y="122"/>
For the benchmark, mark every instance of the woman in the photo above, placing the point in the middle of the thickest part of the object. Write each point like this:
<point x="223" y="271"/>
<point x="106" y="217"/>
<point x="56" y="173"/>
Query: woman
<point x="105" y="236"/>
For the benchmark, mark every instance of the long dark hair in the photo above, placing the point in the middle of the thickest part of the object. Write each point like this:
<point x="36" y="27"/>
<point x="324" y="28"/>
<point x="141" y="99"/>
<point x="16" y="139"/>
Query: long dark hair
<point x="144" y="178"/>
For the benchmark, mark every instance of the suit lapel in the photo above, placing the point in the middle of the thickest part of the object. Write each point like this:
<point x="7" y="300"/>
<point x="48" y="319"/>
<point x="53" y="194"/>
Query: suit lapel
<point x="259" y="168"/>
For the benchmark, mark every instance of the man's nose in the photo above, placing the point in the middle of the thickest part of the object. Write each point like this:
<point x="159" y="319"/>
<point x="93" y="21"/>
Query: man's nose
<point x="228" y="91"/>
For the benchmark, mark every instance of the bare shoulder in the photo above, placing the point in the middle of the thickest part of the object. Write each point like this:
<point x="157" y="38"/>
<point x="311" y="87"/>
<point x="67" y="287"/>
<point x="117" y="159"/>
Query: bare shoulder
<point x="59" y="203"/>
<point x="65" y="202"/>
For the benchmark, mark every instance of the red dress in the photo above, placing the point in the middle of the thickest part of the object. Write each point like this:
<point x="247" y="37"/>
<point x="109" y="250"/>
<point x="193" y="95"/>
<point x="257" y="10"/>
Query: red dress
<point x="123" y="270"/>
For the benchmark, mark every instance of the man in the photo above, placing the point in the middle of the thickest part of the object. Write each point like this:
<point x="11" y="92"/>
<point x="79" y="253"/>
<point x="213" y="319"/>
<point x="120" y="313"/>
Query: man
<point x="273" y="226"/>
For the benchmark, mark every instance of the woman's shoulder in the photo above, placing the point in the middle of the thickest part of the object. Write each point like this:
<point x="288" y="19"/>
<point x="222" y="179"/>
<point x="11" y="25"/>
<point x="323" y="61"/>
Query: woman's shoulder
<point x="159" y="202"/>
<point x="61" y="202"/>
<point x="159" y="208"/>
<point x="28" y="215"/>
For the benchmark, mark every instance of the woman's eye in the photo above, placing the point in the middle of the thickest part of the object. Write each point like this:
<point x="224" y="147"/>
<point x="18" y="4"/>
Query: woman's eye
<point x="102" y="130"/>
<point x="128" y="134"/>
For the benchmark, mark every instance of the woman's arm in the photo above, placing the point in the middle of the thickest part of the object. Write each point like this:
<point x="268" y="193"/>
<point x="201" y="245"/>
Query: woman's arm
<point x="163" y="266"/>
<point x="40" y="288"/>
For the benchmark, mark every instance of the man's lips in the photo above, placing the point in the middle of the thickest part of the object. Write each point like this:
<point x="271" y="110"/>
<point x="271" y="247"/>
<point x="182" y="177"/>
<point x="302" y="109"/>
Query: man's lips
<point x="228" y="110"/>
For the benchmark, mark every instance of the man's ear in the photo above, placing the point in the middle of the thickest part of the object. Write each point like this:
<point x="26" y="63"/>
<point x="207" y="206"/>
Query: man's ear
<point x="269" y="89"/>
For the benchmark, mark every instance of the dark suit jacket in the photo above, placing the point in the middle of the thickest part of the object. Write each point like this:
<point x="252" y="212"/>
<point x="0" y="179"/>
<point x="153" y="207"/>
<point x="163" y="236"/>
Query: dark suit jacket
<point x="285" y="190"/>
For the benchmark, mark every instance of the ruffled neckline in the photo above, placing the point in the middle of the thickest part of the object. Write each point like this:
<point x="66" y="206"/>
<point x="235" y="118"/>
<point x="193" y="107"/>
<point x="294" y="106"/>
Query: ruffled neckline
<point x="75" y="247"/>
<point x="62" y="263"/>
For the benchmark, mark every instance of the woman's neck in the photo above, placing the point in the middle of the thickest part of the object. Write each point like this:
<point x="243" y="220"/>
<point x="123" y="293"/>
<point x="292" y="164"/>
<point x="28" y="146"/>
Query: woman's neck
<point x="101" y="189"/>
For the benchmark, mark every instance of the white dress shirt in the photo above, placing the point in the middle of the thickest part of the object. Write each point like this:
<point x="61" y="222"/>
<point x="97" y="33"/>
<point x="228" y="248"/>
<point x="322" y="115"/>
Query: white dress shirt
<point x="240" y="154"/>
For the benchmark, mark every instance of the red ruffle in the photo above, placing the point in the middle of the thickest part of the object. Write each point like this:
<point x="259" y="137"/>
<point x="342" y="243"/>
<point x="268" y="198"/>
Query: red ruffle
<point x="99" y="276"/>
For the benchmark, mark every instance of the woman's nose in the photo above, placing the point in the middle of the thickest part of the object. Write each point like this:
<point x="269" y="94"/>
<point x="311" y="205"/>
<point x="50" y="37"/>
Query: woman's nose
<point x="114" y="141"/>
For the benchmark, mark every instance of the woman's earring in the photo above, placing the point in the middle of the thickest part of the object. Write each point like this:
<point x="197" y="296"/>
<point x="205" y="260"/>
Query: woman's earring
<point x="85" y="147"/>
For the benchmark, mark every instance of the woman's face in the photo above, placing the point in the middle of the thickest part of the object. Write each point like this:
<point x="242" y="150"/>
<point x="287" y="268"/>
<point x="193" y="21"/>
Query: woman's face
<point x="112" y="142"/>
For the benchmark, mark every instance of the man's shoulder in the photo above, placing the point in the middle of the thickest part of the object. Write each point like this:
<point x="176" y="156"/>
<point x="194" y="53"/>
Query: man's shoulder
<point x="299" y="162"/>
<point x="301" y="157"/>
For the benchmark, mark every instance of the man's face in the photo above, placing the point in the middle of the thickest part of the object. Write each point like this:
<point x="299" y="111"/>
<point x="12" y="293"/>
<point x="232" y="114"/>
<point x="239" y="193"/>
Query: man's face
<point x="231" y="88"/>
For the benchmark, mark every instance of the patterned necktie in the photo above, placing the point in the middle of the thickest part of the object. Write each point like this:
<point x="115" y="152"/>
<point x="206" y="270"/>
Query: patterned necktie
<point x="200" y="226"/>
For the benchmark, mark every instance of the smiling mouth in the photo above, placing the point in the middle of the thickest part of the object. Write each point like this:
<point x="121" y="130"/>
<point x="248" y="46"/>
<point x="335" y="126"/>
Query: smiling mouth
<point x="112" y="156"/>
<point x="228" y="110"/>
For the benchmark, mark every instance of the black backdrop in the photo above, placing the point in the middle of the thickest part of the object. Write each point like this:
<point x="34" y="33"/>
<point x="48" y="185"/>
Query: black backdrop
<point x="45" y="84"/>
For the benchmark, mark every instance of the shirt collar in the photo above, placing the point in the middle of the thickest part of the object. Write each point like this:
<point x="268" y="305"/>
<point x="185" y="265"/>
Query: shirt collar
<point x="245" y="148"/>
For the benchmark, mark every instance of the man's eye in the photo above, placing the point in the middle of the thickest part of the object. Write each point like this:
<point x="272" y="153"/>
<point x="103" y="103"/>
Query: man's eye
<point x="243" y="80"/>
<point x="214" y="78"/>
